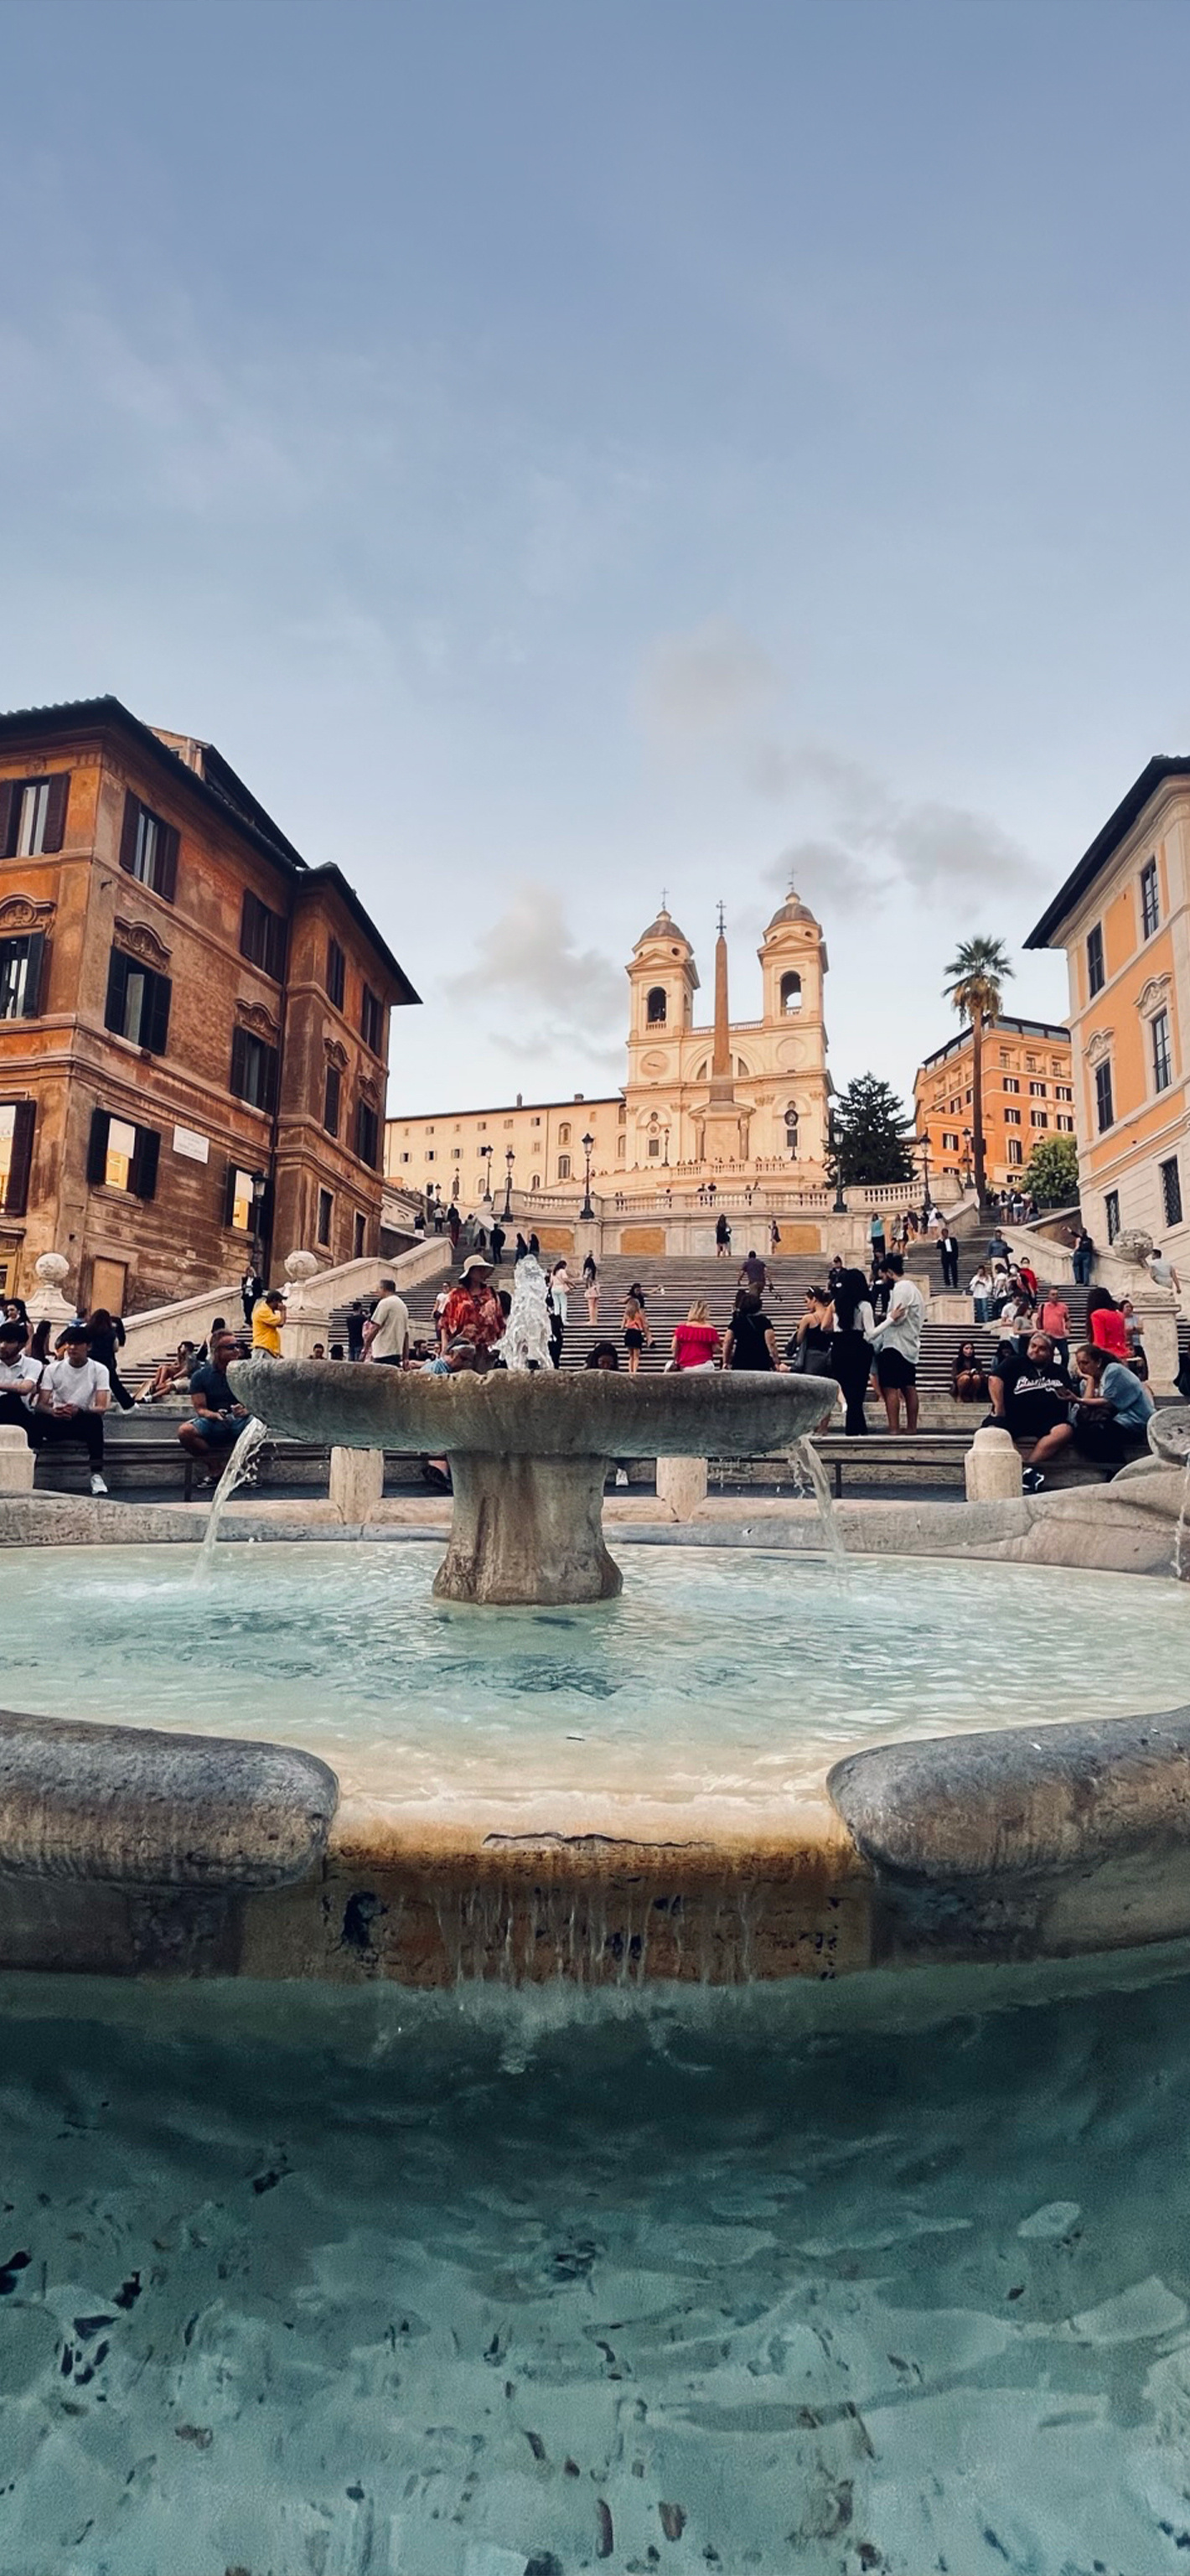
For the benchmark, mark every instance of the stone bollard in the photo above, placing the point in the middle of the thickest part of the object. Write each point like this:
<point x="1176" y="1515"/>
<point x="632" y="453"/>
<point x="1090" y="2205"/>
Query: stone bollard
<point x="357" y="1483"/>
<point x="992" y="1469"/>
<point x="16" y="1460"/>
<point x="682" y="1483"/>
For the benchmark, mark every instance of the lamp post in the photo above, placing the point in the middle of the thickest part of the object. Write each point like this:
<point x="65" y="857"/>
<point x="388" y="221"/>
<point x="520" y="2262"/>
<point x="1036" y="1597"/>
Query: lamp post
<point x="260" y="1183"/>
<point x="968" y="1165"/>
<point x="925" y="1182"/>
<point x="586" y="1210"/>
<point x="485" y="1156"/>
<point x="509" y="1160"/>
<point x="840" y="1201"/>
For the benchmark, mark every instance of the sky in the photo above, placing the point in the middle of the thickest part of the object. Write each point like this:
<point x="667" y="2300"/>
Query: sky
<point x="563" y="452"/>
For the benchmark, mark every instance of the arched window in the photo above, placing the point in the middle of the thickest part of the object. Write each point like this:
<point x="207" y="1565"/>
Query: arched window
<point x="622" y="1112"/>
<point x="655" y="1006"/>
<point x="791" y="990"/>
<point x="535" y="1180"/>
<point x="564" y="1133"/>
<point x="791" y="1132"/>
<point x="563" y="1167"/>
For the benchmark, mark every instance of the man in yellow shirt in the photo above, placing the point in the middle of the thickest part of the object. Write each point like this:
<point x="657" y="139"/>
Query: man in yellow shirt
<point x="268" y="1315"/>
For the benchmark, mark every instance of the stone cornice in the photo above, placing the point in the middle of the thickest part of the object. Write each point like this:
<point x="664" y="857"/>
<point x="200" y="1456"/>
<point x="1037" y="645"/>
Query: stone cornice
<point x="142" y="941"/>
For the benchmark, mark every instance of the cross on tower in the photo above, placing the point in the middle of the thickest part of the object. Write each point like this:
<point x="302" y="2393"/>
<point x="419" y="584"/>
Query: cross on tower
<point x="722" y="922"/>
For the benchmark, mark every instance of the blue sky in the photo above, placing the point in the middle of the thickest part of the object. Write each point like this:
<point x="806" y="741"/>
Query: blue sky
<point x="558" y="452"/>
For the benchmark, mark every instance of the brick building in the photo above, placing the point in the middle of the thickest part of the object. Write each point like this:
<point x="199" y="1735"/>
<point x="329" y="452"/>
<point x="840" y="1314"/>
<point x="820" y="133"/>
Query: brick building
<point x="1028" y="1095"/>
<point x="193" y="1022"/>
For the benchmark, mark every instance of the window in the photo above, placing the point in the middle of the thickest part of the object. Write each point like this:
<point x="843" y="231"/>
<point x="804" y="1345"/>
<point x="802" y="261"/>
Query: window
<point x="1037" y="1091"/>
<point x="1016" y="1151"/>
<point x="371" y="1020"/>
<point x="622" y="1147"/>
<point x="253" y="1070"/>
<point x="1162" y="1056"/>
<point x="1062" y="1091"/>
<point x="535" y="1122"/>
<point x="331" y="1103"/>
<point x="456" y="1153"/>
<point x="1005" y="1057"/>
<point x="149" y="849"/>
<point x="1104" y="1110"/>
<point x="367" y="1135"/>
<point x="563" y="1167"/>
<point x="1039" y="1118"/>
<point x="237" y="1211"/>
<point x="121" y="1156"/>
<point x="1095" y="973"/>
<point x="653" y="1147"/>
<point x="429" y="1153"/>
<point x="1064" y="1125"/>
<point x="1111" y="1214"/>
<point x="1150" y="900"/>
<point x="359" y="1233"/>
<point x="950" y="1143"/>
<point x="17" y="1120"/>
<point x="564" y="1132"/>
<point x="622" y="1112"/>
<point x="21" y="973"/>
<point x="655" y="1006"/>
<point x="1011" y="1082"/>
<point x="262" y="935"/>
<point x="1012" y="1117"/>
<point x="138" y="1003"/>
<point x="336" y="973"/>
<point x="326" y="1209"/>
<point x="508" y="1122"/>
<point x="33" y="815"/>
<point x="791" y="991"/>
<point x="482" y="1126"/>
<point x="1171" y="1190"/>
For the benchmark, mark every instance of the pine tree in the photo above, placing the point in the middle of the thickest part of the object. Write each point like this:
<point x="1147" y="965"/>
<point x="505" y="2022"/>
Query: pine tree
<point x="1052" y="1176"/>
<point x="869" y="1130"/>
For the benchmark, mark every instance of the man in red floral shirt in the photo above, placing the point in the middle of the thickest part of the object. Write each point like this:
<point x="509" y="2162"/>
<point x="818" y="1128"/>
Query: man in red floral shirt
<point x="473" y="1312"/>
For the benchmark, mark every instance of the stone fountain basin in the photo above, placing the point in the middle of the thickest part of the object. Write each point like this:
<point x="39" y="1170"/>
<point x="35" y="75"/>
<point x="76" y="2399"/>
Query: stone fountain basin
<point x="550" y="1415"/>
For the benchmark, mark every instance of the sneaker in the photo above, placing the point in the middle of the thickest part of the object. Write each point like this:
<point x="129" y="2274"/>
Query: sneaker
<point x="97" y="1484"/>
<point x="1032" y="1480"/>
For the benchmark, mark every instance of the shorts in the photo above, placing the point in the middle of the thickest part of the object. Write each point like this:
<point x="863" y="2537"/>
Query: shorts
<point x="212" y="1428"/>
<point x="893" y="1369"/>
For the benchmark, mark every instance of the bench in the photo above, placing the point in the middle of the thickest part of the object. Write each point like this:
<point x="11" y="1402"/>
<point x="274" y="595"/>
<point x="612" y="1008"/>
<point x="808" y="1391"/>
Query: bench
<point x="929" y="1456"/>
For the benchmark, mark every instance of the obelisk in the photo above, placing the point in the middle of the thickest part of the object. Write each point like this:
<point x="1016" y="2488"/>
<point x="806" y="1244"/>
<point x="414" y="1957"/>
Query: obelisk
<point x="721" y="1127"/>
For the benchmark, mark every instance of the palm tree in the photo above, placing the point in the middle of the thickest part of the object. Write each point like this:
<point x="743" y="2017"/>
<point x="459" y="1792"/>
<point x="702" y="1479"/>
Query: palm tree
<point x="976" y="976"/>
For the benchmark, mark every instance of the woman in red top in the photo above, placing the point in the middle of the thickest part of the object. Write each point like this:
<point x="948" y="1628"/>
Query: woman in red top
<point x="696" y="1342"/>
<point x="1109" y="1332"/>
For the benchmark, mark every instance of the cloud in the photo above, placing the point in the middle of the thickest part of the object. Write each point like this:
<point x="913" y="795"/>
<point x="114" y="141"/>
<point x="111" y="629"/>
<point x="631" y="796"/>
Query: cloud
<point x="709" y="684"/>
<point x="874" y="846"/>
<point x="529" y="971"/>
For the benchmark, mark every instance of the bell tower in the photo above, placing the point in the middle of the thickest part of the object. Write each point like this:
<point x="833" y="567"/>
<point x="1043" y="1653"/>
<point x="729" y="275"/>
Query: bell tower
<point x="664" y="981"/>
<point x="793" y="964"/>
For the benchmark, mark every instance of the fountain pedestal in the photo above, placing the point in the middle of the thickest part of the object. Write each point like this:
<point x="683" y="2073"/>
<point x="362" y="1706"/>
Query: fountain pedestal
<point x="527" y="1529"/>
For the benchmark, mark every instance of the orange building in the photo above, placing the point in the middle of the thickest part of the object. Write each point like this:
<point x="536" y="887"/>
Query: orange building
<point x="1027" y="1095"/>
<point x="1123" y="918"/>
<point x="193" y="1022"/>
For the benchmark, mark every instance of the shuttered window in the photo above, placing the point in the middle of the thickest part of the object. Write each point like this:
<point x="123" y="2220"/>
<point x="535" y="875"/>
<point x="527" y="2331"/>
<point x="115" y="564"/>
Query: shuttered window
<point x="331" y="1102"/>
<point x="121" y="1156"/>
<point x="17" y="1121"/>
<point x="138" y="1002"/>
<point x="372" y="1020"/>
<point x="262" y="935"/>
<point x="22" y="976"/>
<point x="367" y="1134"/>
<point x="336" y="973"/>
<point x="149" y="849"/>
<point x="253" y="1070"/>
<point x="33" y="815"/>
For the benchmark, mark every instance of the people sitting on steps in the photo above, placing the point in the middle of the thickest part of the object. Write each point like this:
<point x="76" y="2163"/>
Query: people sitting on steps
<point x="72" y="1398"/>
<point x="1033" y="1396"/>
<point x="217" y="1417"/>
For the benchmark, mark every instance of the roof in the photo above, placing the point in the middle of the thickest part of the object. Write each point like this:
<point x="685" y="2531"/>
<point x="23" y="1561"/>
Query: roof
<point x="1050" y="1032"/>
<point x="793" y="909"/>
<point x="216" y="785"/>
<point x="665" y="927"/>
<point x="505" y="1109"/>
<point x="1163" y="766"/>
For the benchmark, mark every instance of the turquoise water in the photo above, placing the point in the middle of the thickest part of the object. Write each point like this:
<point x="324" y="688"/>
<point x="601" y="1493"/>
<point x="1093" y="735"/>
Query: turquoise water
<point x="718" y="1672"/>
<point x="366" y="2290"/>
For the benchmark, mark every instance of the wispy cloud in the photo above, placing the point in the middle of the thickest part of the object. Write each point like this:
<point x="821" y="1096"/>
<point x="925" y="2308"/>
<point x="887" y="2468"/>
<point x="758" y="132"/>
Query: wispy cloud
<point x="711" y="685"/>
<point x="530" y="977"/>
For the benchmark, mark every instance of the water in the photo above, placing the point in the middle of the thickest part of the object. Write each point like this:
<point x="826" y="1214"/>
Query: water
<point x="526" y="1342"/>
<point x="805" y="1457"/>
<point x="718" y="1673"/>
<point x="236" y="1472"/>
<point x="351" y="2292"/>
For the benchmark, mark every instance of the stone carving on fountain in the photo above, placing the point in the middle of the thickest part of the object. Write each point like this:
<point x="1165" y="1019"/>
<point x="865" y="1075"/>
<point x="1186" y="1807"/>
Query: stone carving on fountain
<point x="530" y="1453"/>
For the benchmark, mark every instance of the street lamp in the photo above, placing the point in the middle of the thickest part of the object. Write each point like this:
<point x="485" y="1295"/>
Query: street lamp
<point x="968" y="1165"/>
<point x="509" y="1159"/>
<point x="925" y="1182"/>
<point x="586" y="1209"/>
<point x="840" y="1201"/>
<point x="485" y="1156"/>
<point x="260" y="1183"/>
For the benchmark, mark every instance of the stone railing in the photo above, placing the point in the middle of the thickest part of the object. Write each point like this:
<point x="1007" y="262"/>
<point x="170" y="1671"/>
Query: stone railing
<point x="158" y="1329"/>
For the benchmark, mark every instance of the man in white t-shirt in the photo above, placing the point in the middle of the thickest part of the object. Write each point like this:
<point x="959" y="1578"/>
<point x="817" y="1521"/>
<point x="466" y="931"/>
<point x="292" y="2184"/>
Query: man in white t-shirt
<point x="71" y="1402"/>
<point x="386" y="1334"/>
<point x="898" y="1345"/>
<point x="19" y="1380"/>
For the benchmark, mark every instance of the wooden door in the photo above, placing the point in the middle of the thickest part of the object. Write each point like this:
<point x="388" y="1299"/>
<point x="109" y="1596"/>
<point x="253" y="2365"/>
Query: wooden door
<point x="109" y="1279"/>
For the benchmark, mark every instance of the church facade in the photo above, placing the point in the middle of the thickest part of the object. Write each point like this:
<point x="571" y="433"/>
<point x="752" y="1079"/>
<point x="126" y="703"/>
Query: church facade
<point x="724" y="1101"/>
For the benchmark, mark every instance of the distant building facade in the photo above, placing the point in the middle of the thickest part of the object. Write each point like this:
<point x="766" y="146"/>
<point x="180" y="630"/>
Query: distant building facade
<point x="728" y="1101"/>
<point x="1123" y="918"/>
<point x="1028" y="1096"/>
<point x="193" y="1022"/>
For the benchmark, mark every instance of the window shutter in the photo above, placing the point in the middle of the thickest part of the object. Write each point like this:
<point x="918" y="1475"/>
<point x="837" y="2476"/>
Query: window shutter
<point x="128" y="834"/>
<point x="97" y="1147"/>
<point x="16" y="1197"/>
<point x="166" y="882"/>
<point x="36" y="976"/>
<point x="117" y="991"/>
<point x="238" y="1042"/>
<point x="160" y="997"/>
<point x="330" y="1115"/>
<point x="248" y="913"/>
<point x="229" y="1194"/>
<point x="55" y="813"/>
<point x="269" y="1100"/>
<point x="10" y="806"/>
<point x="142" y="1176"/>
